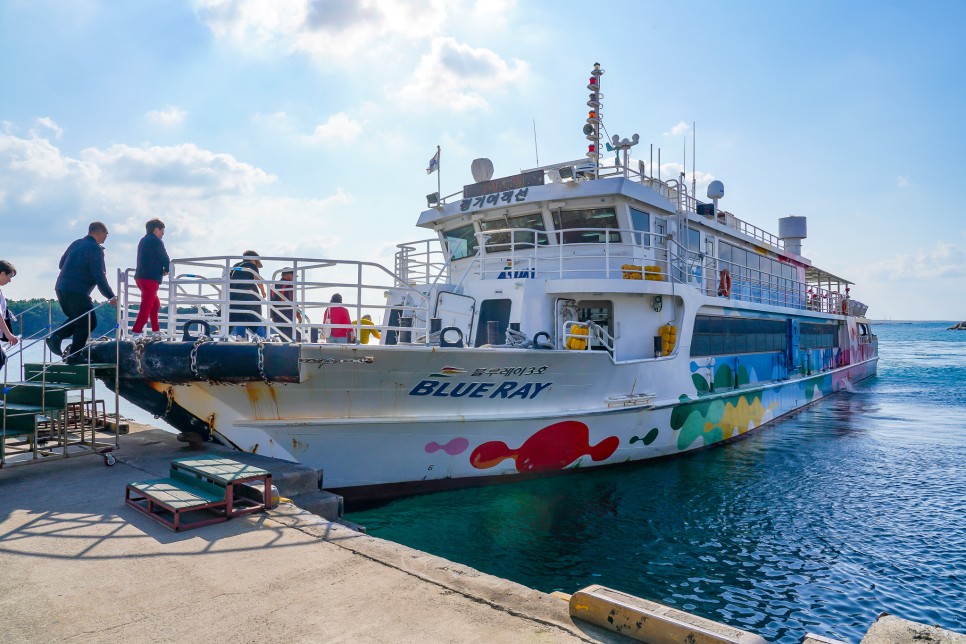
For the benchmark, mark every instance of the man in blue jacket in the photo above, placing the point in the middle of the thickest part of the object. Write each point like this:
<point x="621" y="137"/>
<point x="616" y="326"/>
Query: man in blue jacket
<point x="81" y="269"/>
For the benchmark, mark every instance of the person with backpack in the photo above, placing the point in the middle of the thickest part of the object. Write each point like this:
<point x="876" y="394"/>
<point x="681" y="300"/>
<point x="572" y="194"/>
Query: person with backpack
<point x="245" y="294"/>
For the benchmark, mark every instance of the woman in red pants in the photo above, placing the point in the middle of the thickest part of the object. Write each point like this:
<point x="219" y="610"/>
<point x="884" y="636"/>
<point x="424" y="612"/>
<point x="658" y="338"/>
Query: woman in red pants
<point x="153" y="265"/>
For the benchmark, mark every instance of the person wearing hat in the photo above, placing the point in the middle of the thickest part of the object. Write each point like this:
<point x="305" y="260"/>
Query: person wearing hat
<point x="338" y="315"/>
<point x="283" y="312"/>
<point x="244" y="302"/>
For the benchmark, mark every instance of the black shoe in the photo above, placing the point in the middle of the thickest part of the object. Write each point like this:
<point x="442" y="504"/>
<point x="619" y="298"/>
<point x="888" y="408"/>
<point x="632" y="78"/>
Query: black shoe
<point x="54" y="345"/>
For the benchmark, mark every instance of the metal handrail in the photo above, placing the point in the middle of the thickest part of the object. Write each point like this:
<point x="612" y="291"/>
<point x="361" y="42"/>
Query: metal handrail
<point x="201" y="288"/>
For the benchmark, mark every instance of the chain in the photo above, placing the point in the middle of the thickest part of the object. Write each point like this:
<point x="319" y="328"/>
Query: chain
<point x="322" y="361"/>
<point x="170" y="393"/>
<point x="194" y="355"/>
<point x="139" y="344"/>
<point x="261" y="358"/>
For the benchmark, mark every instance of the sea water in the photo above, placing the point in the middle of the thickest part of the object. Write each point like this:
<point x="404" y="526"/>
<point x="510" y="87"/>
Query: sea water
<point x="853" y="506"/>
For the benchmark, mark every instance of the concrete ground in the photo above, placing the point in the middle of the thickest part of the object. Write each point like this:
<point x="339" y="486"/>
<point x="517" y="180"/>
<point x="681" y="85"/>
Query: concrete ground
<point x="77" y="564"/>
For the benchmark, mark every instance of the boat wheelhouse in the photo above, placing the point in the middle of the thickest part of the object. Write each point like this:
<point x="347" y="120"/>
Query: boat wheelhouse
<point x="568" y="316"/>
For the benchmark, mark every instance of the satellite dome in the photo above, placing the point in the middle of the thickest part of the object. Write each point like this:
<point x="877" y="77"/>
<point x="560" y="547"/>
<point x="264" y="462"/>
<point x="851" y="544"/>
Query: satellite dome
<point x="482" y="170"/>
<point x="715" y="190"/>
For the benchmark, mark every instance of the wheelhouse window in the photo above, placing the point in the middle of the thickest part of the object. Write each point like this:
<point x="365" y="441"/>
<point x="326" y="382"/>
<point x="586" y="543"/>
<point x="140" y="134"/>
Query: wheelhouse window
<point x="589" y="218"/>
<point x="499" y="242"/>
<point x="461" y="242"/>
<point x="716" y="336"/>
<point x="641" y="221"/>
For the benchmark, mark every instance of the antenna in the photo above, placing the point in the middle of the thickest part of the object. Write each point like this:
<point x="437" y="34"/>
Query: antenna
<point x="694" y="156"/>
<point x="535" y="150"/>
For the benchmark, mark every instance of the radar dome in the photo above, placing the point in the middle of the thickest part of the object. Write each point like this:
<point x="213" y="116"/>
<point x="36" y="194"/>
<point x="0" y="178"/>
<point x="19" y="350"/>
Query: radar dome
<point x="482" y="170"/>
<point x="715" y="190"/>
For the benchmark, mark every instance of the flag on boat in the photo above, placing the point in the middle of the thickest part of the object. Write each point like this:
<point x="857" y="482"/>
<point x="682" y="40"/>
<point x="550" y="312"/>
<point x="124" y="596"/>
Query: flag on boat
<point x="433" y="163"/>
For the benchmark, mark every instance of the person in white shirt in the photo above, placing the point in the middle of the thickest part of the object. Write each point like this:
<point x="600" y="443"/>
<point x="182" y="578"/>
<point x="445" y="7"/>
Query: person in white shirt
<point x="7" y="271"/>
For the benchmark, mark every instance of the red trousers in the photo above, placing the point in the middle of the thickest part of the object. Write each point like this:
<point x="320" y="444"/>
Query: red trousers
<point x="150" y="305"/>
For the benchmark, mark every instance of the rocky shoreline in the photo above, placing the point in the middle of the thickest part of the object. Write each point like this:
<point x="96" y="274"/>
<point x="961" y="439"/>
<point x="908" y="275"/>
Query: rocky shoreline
<point x="958" y="327"/>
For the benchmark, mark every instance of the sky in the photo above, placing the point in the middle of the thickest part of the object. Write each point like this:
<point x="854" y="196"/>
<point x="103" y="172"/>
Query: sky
<point x="304" y="127"/>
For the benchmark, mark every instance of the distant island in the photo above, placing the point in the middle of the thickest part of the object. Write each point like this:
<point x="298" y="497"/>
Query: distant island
<point x="33" y="321"/>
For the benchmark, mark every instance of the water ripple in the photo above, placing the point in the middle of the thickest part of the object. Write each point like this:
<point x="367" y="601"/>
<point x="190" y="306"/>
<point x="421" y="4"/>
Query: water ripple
<point x="854" y="506"/>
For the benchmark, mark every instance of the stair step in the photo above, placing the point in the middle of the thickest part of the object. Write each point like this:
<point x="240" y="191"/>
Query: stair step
<point x="19" y="410"/>
<point x="58" y="373"/>
<point x="19" y="423"/>
<point x="34" y="393"/>
<point x="178" y="504"/>
<point x="178" y="494"/>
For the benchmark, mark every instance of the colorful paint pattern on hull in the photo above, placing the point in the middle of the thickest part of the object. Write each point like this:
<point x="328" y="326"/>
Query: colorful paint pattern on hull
<point x="453" y="451"/>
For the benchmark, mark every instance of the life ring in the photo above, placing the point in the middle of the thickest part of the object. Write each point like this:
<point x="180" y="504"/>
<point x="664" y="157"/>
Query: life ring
<point x="724" y="284"/>
<point x="445" y="342"/>
<point x="186" y="330"/>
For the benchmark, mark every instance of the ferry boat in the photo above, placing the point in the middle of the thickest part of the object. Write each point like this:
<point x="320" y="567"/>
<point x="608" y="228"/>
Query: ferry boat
<point x="581" y="314"/>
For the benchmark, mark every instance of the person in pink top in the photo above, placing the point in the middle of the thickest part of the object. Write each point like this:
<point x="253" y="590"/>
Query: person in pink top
<point x="338" y="315"/>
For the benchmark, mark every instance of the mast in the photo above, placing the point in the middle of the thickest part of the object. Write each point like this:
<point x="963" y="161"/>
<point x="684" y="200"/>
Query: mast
<point x="592" y="129"/>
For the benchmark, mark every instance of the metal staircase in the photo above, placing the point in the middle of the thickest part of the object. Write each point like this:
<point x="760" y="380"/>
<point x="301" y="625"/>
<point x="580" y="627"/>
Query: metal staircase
<point x="51" y="410"/>
<point x="54" y="413"/>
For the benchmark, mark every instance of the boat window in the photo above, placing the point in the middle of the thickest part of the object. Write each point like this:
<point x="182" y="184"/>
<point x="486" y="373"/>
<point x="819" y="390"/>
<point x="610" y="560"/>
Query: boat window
<point x="494" y="321"/>
<point x="660" y="232"/>
<point x="694" y="240"/>
<point x="461" y="242"/>
<point x="818" y="336"/>
<point x="499" y="242"/>
<point x="641" y="221"/>
<point x="586" y="218"/>
<point x="715" y="336"/>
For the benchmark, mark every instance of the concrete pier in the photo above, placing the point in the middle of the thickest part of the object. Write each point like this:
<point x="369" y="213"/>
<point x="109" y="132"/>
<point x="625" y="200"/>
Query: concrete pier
<point x="77" y="564"/>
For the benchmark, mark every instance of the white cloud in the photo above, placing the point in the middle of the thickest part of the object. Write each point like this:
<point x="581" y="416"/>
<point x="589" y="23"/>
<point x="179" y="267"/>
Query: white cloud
<point x="903" y="181"/>
<point x="210" y="201"/>
<point x="170" y="116"/>
<point x="48" y="124"/>
<point x="677" y="130"/>
<point x="942" y="261"/>
<point x="457" y="76"/>
<point x="181" y="169"/>
<point x="322" y="29"/>
<point x="338" y="129"/>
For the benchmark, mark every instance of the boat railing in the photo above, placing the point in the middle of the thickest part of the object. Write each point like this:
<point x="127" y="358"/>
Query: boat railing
<point x="521" y="253"/>
<point x="750" y="230"/>
<point x="422" y="262"/>
<point x="236" y="305"/>
<point x="592" y="253"/>
<point x="586" y="336"/>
